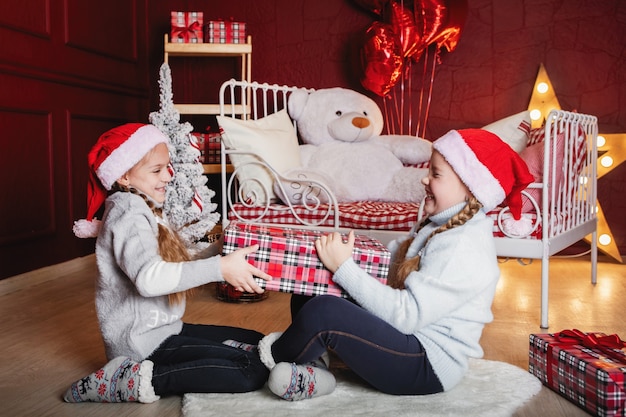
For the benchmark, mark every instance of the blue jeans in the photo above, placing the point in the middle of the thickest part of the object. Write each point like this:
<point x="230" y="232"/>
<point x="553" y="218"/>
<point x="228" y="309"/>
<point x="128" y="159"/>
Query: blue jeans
<point x="196" y="360"/>
<point x="390" y="361"/>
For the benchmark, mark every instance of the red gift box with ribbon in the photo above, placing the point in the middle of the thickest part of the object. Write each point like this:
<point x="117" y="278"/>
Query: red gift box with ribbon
<point x="186" y="27"/>
<point x="589" y="369"/>
<point x="209" y="145"/>
<point x="289" y="256"/>
<point x="224" y="31"/>
<point x="213" y="149"/>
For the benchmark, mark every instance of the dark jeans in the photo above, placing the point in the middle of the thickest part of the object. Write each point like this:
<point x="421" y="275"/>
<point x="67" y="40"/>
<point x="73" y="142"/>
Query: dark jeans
<point x="196" y="361"/>
<point x="296" y="303"/>
<point x="390" y="361"/>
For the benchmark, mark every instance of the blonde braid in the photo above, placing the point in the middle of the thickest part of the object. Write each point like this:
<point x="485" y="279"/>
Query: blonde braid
<point x="396" y="276"/>
<point x="171" y="246"/>
<point x="401" y="267"/>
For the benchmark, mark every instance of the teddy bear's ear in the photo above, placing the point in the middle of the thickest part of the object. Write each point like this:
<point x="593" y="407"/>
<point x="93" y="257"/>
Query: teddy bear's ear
<point x="297" y="102"/>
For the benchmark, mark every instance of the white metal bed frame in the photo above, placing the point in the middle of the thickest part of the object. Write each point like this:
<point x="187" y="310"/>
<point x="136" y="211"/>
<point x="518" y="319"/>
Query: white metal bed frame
<point x="574" y="202"/>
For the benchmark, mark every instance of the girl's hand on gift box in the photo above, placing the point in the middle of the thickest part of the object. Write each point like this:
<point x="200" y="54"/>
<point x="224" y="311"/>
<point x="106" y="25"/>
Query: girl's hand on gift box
<point x="333" y="250"/>
<point x="239" y="273"/>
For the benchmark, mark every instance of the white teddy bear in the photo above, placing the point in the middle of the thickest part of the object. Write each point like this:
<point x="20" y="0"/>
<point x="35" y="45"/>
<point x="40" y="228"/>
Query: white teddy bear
<point x="343" y="148"/>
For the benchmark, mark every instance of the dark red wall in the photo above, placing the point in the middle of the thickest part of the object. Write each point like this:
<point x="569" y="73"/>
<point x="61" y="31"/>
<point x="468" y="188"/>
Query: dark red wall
<point x="488" y="76"/>
<point x="70" y="70"/>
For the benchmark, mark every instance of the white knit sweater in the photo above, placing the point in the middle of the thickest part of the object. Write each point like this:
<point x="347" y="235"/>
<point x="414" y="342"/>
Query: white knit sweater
<point x="447" y="302"/>
<point x="133" y="283"/>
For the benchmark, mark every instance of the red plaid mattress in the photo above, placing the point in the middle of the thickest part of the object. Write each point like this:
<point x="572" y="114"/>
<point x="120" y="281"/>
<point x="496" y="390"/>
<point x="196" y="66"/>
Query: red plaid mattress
<point x="373" y="215"/>
<point x="376" y="215"/>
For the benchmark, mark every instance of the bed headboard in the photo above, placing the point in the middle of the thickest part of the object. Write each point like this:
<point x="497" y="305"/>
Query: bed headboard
<point x="258" y="100"/>
<point x="566" y="194"/>
<point x="252" y="101"/>
<point x="574" y="178"/>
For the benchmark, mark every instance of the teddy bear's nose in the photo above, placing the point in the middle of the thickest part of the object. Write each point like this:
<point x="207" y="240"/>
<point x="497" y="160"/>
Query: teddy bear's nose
<point x="361" y="122"/>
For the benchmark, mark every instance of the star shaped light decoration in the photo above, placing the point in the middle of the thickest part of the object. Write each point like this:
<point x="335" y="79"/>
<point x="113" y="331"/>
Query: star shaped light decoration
<point x="611" y="152"/>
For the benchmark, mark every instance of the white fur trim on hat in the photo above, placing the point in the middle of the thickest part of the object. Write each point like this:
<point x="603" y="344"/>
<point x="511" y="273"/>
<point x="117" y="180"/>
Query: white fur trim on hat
<point x="131" y="151"/>
<point x="474" y="174"/>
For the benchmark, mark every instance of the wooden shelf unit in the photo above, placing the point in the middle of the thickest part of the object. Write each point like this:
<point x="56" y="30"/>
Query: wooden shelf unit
<point x="243" y="51"/>
<point x="216" y="168"/>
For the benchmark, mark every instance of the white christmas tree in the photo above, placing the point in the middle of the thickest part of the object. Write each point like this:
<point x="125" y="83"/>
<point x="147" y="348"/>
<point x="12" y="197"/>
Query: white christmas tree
<point x="188" y="205"/>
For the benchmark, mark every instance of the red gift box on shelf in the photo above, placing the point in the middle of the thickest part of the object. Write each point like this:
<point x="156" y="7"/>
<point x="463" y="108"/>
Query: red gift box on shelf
<point x="289" y="256"/>
<point x="209" y="147"/>
<point x="224" y="31"/>
<point x="186" y="27"/>
<point x="586" y="368"/>
<point x="212" y="146"/>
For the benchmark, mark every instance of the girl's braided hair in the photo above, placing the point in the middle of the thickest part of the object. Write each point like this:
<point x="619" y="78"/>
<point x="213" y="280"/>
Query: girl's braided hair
<point x="171" y="246"/>
<point x="401" y="267"/>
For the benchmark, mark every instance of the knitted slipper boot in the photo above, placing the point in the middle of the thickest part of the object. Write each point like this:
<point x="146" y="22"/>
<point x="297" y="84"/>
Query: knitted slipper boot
<point x="120" y="380"/>
<point x="294" y="382"/>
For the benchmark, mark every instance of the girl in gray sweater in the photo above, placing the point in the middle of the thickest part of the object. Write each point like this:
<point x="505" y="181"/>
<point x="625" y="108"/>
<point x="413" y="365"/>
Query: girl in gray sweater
<point x="145" y="275"/>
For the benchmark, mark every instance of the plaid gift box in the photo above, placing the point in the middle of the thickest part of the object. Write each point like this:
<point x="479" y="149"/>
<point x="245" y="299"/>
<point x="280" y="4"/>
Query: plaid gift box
<point x="221" y="31"/>
<point x="186" y="27"/>
<point x="209" y="146"/>
<point x="212" y="146"/>
<point x="586" y="368"/>
<point x="289" y="256"/>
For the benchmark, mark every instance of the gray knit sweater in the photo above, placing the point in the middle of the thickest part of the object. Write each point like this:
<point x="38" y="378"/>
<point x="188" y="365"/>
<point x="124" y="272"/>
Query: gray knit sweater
<point x="133" y="283"/>
<point x="447" y="302"/>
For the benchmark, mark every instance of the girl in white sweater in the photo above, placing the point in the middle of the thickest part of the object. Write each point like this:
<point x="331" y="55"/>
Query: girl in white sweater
<point x="145" y="275"/>
<point x="415" y="335"/>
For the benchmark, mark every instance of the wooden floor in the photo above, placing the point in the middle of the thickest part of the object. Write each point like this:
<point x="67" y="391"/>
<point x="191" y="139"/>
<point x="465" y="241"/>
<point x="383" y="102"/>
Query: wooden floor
<point x="50" y="336"/>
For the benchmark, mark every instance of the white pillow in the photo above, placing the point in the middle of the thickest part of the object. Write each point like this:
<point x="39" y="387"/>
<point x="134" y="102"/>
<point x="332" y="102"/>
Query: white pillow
<point x="273" y="138"/>
<point x="513" y="130"/>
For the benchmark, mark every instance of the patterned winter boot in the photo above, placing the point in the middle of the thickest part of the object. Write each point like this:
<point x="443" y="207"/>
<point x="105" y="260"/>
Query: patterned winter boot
<point x="294" y="382"/>
<point x="120" y="380"/>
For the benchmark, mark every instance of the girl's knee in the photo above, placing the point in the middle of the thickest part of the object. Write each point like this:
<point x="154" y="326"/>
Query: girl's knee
<point x="325" y="307"/>
<point x="321" y="303"/>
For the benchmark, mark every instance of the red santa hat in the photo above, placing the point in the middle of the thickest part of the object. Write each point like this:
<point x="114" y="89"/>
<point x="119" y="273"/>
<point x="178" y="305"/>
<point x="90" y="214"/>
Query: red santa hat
<point x="113" y="155"/>
<point x="490" y="168"/>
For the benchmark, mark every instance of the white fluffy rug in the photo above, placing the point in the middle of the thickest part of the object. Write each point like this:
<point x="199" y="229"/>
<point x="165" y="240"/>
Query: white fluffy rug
<point x="490" y="389"/>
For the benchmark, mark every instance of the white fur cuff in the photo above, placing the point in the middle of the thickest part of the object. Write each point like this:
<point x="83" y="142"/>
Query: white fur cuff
<point x="265" y="349"/>
<point x="146" y="392"/>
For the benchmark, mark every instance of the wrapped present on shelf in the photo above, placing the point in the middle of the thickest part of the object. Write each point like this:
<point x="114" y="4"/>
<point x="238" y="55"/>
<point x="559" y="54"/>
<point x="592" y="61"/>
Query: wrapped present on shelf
<point x="289" y="256"/>
<point x="586" y="368"/>
<point x="212" y="146"/>
<point x="186" y="27"/>
<point x="209" y="145"/>
<point x="224" y="31"/>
